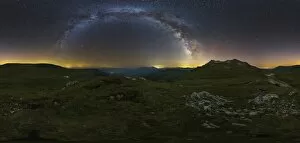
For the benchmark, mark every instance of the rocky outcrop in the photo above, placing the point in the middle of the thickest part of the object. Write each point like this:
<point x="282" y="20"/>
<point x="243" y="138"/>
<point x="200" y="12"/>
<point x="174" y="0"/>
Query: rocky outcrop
<point x="215" y="107"/>
<point x="206" y="102"/>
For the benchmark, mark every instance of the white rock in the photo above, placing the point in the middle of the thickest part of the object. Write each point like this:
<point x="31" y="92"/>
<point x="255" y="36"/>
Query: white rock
<point x="264" y="99"/>
<point x="292" y="93"/>
<point x="66" y="76"/>
<point x="253" y="113"/>
<point x="71" y="83"/>
<point x="206" y="102"/>
<point x="210" y="125"/>
<point x="270" y="74"/>
<point x="238" y="124"/>
<point x="277" y="82"/>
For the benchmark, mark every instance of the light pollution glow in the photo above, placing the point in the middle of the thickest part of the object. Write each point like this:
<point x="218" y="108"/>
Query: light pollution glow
<point x="77" y="64"/>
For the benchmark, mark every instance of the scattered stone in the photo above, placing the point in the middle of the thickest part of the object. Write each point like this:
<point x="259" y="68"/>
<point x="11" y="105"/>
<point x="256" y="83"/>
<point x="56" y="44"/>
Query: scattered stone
<point x="119" y="96"/>
<point x="142" y="78"/>
<point x="210" y="125"/>
<point x="272" y="104"/>
<point x="111" y="98"/>
<point x="146" y="125"/>
<point x="67" y="77"/>
<point x="253" y="113"/>
<point x="238" y="124"/>
<point x="71" y="83"/>
<point x="263" y="99"/>
<point x="131" y="78"/>
<point x="204" y="101"/>
<point x="278" y="83"/>
<point x="270" y="74"/>
<point x="247" y="119"/>
<point x="292" y="92"/>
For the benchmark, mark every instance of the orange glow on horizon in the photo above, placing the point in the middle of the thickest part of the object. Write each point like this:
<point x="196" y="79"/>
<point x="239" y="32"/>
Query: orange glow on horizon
<point x="75" y="64"/>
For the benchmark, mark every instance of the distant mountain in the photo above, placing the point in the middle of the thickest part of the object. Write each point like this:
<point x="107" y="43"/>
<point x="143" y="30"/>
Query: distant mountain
<point x="228" y="65"/>
<point x="16" y="70"/>
<point x="229" y="68"/>
<point x="289" y="74"/>
<point x="141" y="71"/>
<point x="213" y="69"/>
<point x="35" y="79"/>
<point x="18" y="65"/>
<point x="295" y="68"/>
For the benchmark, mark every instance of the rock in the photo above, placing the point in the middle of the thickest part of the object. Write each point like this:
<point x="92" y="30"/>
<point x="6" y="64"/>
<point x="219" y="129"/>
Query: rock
<point x="119" y="96"/>
<point x="253" y="113"/>
<point x="210" y="125"/>
<point x="111" y="98"/>
<point x="292" y="92"/>
<point x="131" y="78"/>
<point x="246" y="119"/>
<point x="66" y="76"/>
<point x="146" y="125"/>
<point x="278" y="83"/>
<point x="55" y="103"/>
<point x="142" y="78"/>
<point x="238" y="124"/>
<point x="230" y="113"/>
<point x="71" y="83"/>
<point x="272" y="104"/>
<point x="206" y="102"/>
<point x="270" y="74"/>
<point x="264" y="99"/>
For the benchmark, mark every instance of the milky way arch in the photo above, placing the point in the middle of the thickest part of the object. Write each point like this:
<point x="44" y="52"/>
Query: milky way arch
<point x="180" y="29"/>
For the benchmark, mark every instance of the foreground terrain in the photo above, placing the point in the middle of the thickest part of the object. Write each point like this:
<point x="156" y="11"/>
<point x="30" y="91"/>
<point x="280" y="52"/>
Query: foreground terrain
<point x="229" y="101"/>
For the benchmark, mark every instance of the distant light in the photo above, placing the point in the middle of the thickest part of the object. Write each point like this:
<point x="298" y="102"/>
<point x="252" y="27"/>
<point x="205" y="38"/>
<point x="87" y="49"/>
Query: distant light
<point x="158" y="66"/>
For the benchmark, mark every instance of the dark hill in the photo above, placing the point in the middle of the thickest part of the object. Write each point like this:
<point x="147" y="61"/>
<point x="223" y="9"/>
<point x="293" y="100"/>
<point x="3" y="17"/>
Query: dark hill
<point x="141" y="71"/>
<point x="229" y="68"/>
<point x="17" y="65"/>
<point x="289" y="74"/>
<point x="295" y="68"/>
<point x="36" y="79"/>
<point x="12" y="70"/>
<point x="228" y="65"/>
<point x="213" y="69"/>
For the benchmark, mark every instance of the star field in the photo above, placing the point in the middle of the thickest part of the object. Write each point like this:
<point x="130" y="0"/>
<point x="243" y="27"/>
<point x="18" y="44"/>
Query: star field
<point x="131" y="33"/>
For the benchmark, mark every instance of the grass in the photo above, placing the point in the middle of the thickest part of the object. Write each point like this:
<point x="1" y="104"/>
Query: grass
<point x="98" y="107"/>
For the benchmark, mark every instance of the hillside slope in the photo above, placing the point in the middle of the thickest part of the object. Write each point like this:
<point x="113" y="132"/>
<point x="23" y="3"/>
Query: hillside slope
<point x="37" y="79"/>
<point x="203" y="105"/>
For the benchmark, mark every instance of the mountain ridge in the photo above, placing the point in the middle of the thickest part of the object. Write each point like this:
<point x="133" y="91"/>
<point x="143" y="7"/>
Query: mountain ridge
<point x="211" y="62"/>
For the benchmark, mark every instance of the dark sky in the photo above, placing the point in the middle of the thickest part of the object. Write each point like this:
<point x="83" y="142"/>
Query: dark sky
<point x="126" y="33"/>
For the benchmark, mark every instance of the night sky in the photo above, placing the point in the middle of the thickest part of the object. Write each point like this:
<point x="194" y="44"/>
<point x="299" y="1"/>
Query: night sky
<point x="161" y="33"/>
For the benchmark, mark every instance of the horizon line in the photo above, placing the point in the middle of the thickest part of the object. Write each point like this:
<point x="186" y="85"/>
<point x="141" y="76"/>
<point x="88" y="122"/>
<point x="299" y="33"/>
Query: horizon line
<point x="132" y="67"/>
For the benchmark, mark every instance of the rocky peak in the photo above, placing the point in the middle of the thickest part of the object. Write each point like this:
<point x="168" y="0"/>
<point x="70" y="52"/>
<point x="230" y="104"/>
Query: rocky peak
<point x="227" y="63"/>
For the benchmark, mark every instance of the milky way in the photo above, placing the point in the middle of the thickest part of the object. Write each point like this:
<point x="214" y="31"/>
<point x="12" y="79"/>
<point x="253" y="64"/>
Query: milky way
<point x="158" y="19"/>
<point x="122" y="33"/>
